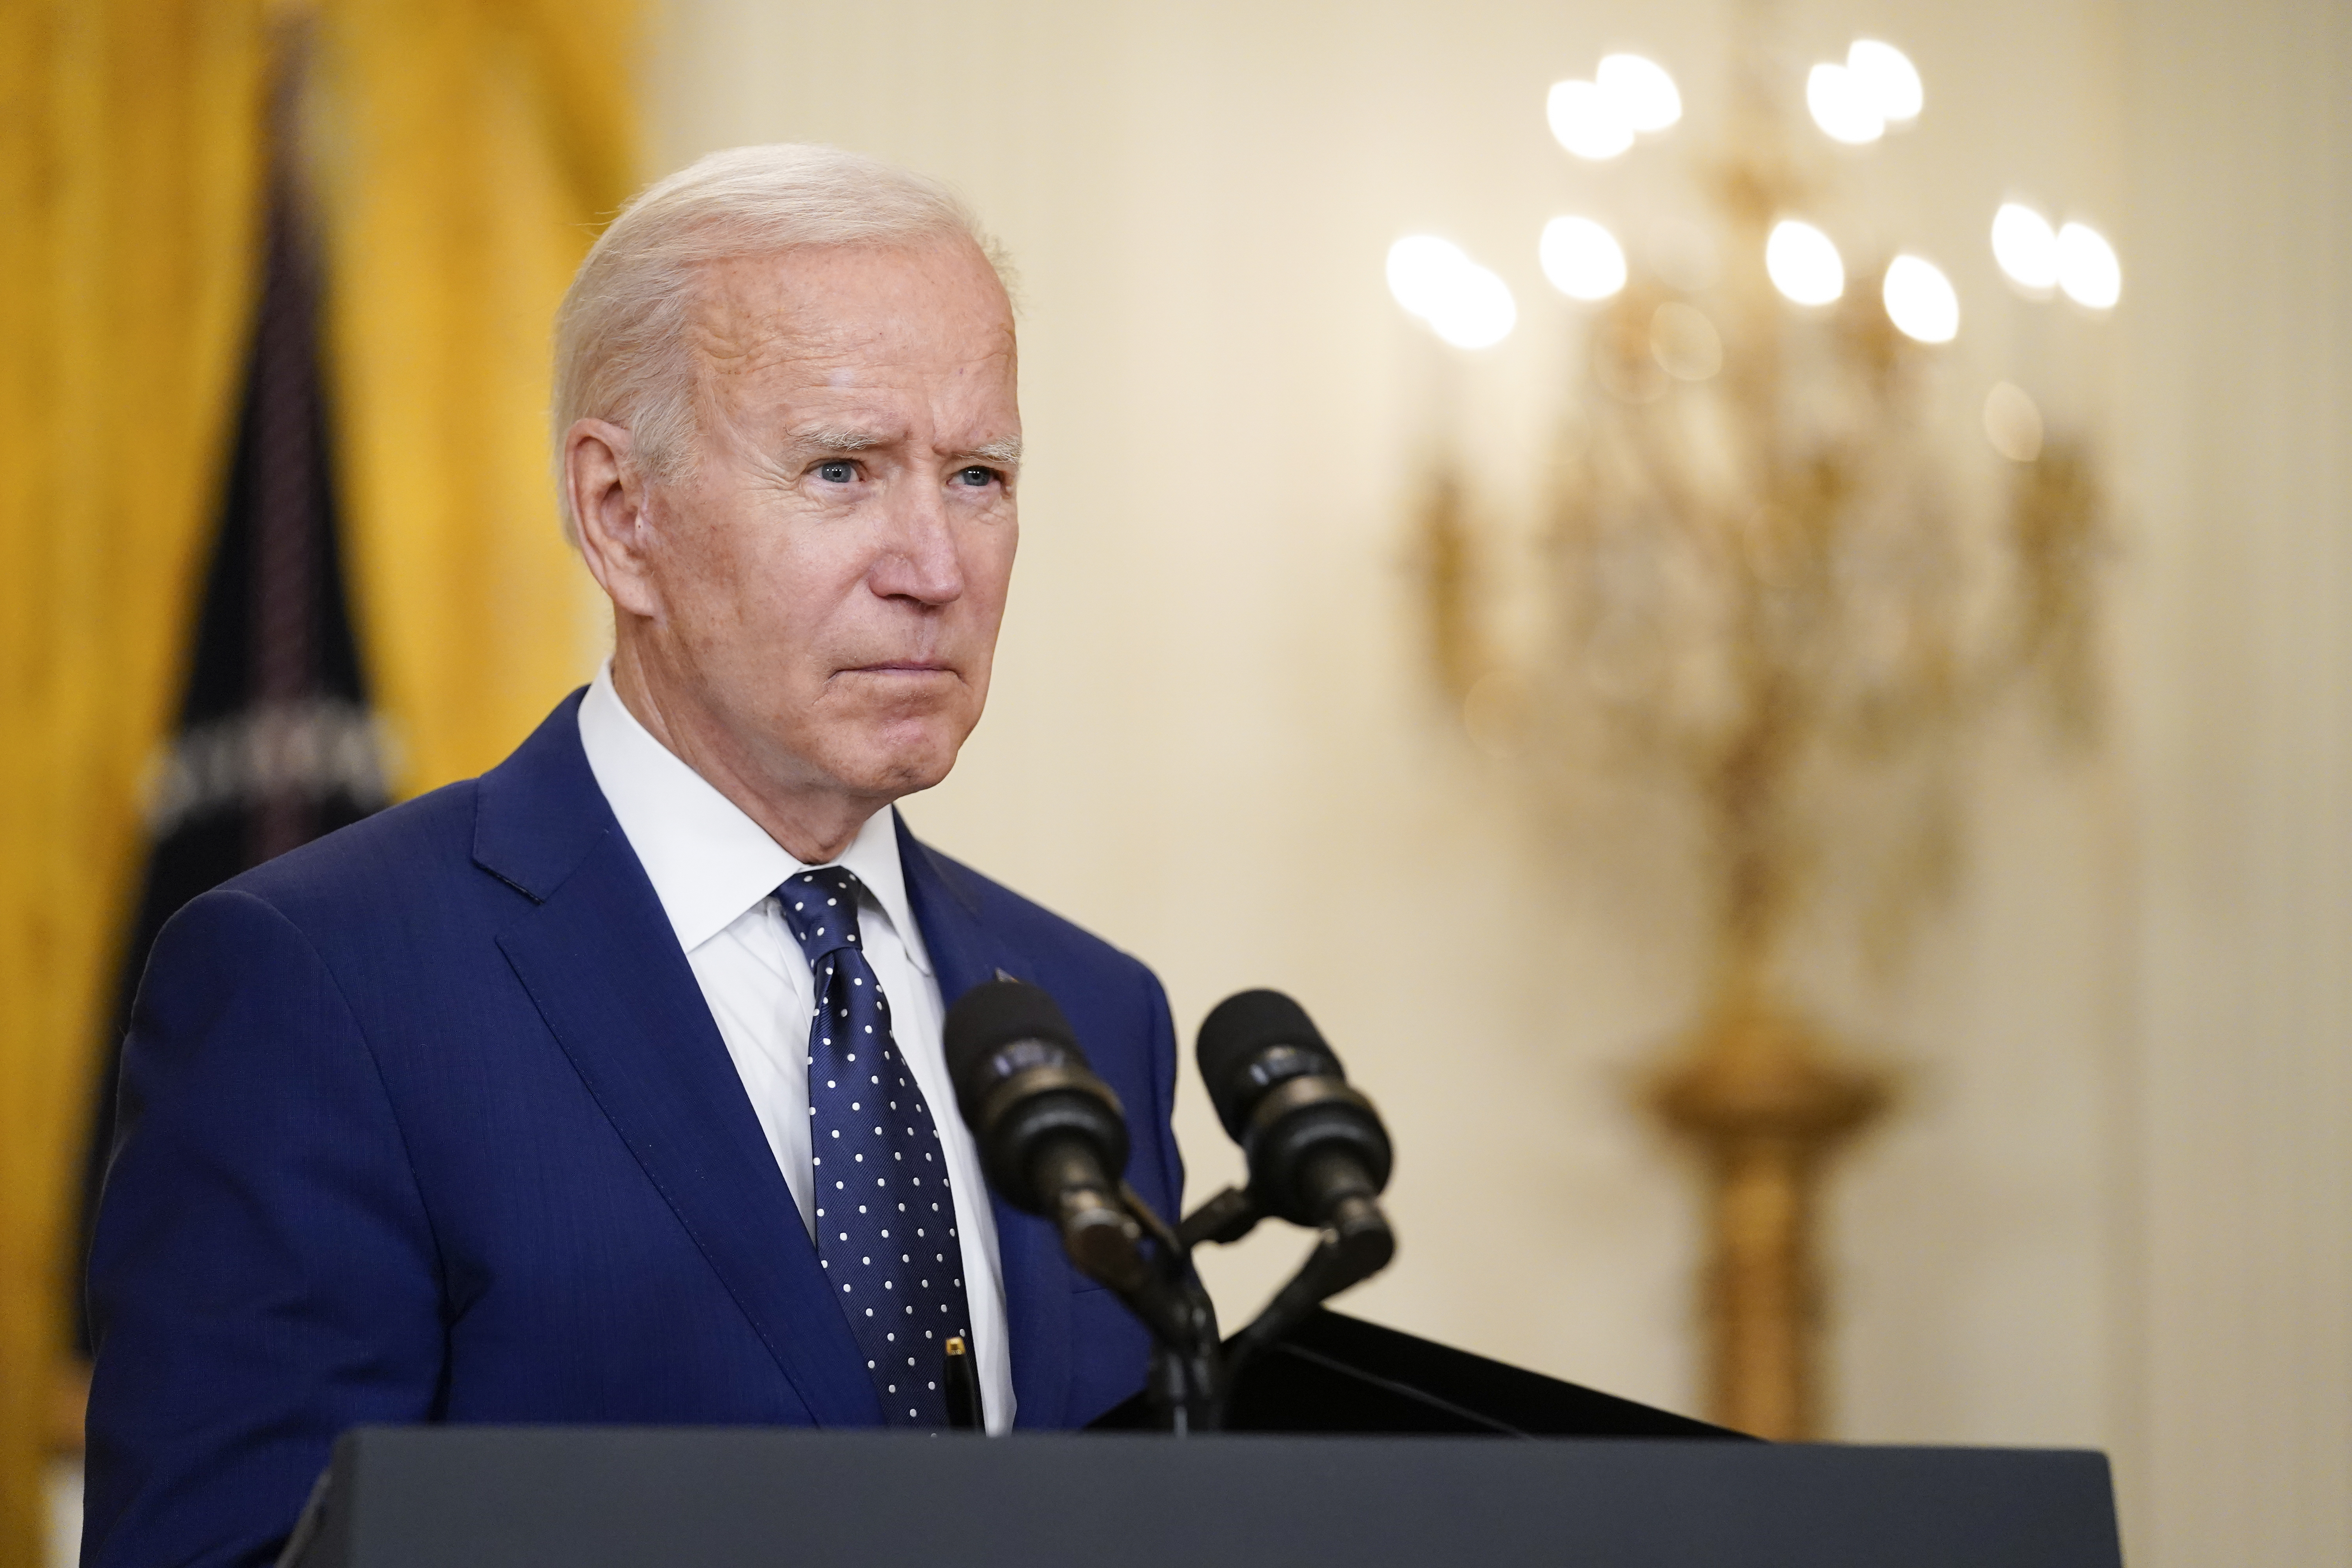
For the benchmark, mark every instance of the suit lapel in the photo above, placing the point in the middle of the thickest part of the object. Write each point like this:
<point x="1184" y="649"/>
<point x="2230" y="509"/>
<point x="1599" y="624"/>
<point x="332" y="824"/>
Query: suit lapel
<point x="1038" y="1278"/>
<point x="602" y="965"/>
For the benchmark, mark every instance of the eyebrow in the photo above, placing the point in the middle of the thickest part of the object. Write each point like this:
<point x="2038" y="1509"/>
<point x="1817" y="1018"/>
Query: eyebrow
<point x="845" y="440"/>
<point x="1006" y="449"/>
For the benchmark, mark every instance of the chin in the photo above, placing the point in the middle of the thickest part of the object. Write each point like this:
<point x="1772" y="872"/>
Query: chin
<point x="901" y="763"/>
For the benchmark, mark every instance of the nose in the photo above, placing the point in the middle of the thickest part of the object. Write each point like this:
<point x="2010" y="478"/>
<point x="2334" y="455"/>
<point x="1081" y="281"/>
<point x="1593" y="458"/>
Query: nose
<point x="920" y="560"/>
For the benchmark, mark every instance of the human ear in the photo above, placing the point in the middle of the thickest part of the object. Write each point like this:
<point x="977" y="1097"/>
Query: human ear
<point x="609" y="498"/>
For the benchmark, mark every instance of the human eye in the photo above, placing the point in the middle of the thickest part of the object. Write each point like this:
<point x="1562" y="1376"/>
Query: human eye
<point x="978" y="476"/>
<point x="838" y="471"/>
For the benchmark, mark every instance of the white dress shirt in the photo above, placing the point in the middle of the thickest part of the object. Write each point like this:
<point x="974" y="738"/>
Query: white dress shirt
<point x="715" y="872"/>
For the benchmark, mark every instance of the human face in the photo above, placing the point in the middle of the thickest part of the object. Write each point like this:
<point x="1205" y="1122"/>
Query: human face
<point x="822" y="588"/>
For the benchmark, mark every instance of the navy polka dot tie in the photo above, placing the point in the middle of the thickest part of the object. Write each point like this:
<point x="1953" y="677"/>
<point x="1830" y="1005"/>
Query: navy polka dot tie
<point x="885" y="1227"/>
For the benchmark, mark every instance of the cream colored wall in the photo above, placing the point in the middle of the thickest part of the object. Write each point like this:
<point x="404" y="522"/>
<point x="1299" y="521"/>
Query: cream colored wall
<point x="2237" y="401"/>
<point x="2111" y="1210"/>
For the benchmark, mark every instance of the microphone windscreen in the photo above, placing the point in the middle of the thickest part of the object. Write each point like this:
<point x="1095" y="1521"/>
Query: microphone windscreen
<point x="994" y="1015"/>
<point x="1238" y="1033"/>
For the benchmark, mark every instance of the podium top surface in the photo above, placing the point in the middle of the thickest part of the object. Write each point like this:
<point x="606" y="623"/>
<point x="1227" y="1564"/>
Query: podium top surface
<point x="588" y="1497"/>
<point x="1332" y="1375"/>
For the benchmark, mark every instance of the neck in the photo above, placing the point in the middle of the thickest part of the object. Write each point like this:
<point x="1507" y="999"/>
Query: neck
<point x="813" y="824"/>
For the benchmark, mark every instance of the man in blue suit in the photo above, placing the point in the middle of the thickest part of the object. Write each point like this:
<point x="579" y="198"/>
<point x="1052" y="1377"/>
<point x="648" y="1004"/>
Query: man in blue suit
<point x="555" y="1095"/>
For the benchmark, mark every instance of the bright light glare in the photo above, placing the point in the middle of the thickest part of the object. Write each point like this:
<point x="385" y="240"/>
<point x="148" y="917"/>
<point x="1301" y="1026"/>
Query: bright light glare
<point x="1641" y="91"/>
<point x="1842" y="106"/>
<point x="1920" y="300"/>
<point x="1582" y="260"/>
<point x="1477" y="311"/>
<point x="2025" y="247"/>
<point x="1464" y="303"/>
<point x="1422" y="267"/>
<point x="2087" y="268"/>
<point x="1586" y="120"/>
<point x="2011" y="423"/>
<point x="1803" y="264"/>
<point x="1888" y="77"/>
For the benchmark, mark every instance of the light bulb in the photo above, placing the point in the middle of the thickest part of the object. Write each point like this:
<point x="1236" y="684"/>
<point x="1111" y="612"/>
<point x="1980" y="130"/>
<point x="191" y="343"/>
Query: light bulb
<point x="2025" y="247"/>
<point x="1463" y="303"/>
<point x="1586" y="120"/>
<point x="1920" y="300"/>
<point x="1476" y="309"/>
<point x="1888" y="79"/>
<point x="1582" y="260"/>
<point x="1842" y="106"/>
<point x="1641" y="92"/>
<point x="1421" y="269"/>
<point x="2087" y="268"/>
<point x="1803" y="264"/>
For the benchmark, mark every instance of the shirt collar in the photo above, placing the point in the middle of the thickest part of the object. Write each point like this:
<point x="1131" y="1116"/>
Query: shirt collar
<point x="708" y="861"/>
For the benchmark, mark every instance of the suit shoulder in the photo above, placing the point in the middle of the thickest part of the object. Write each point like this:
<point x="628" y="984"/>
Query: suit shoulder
<point x="401" y="853"/>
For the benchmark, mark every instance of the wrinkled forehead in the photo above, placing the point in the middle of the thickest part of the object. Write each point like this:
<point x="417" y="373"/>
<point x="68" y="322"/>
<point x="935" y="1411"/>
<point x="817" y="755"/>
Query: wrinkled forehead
<point x="830" y="309"/>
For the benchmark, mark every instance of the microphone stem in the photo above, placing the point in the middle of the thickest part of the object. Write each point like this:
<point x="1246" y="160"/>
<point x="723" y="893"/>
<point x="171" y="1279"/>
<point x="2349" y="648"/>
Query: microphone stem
<point x="1099" y="1235"/>
<point x="1331" y="1179"/>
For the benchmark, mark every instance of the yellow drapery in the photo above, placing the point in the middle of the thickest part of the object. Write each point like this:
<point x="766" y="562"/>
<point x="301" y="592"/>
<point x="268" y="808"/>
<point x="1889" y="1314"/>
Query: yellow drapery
<point x="129" y="141"/>
<point x="467" y="149"/>
<point x="464" y="150"/>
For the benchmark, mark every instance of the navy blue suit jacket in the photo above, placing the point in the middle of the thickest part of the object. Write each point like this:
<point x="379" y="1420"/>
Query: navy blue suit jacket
<point x="428" y="1121"/>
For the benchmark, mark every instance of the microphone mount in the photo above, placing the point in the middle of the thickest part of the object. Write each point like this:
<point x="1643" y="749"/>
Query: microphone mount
<point x="1319" y="1157"/>
<point x="1053" y="1142"/>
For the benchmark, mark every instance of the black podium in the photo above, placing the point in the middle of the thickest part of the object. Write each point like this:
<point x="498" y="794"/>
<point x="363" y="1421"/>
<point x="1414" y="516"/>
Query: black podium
<point x="1610" y="1484"/>
<point x="1335" y="1375"/>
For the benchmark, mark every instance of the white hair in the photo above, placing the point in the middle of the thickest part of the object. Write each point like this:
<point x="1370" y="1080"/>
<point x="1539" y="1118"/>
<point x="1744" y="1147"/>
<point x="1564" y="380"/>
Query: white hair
<point x="622" y="349"/>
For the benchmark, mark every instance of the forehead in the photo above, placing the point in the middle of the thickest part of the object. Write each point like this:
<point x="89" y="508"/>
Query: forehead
<point x="862" y="311"/>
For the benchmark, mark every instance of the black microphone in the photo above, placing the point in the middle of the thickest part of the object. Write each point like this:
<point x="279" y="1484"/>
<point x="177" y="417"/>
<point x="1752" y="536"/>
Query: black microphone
<point x="1317" y="1153"/>
<point x="1052" y="1138"/>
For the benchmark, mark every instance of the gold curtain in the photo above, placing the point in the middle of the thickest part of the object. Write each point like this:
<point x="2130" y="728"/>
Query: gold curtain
<point x="467" y="149"/>
<point x="130" y="148"/>
<point x="464" y="150"/>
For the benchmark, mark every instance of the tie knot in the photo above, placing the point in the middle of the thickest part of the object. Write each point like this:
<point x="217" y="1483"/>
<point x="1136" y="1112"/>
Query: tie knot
<point x="821" y="908"/>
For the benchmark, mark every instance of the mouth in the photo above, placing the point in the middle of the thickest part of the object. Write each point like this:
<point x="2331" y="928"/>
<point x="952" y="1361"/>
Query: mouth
<point x="902" y="666"/>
